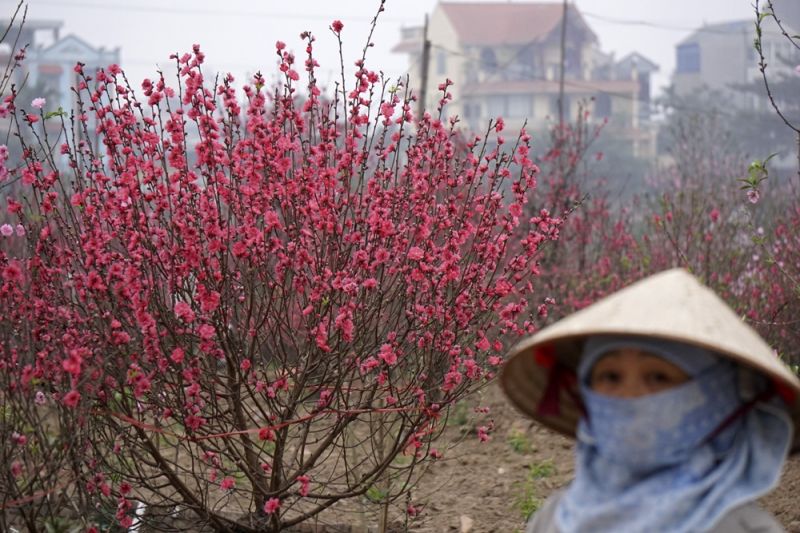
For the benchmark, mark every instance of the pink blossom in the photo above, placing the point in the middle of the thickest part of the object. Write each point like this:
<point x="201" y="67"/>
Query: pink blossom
<point x="207" y="331"/>
<point x="6" y="230"/>
<point x="753" y="196"/>
<point x="266" y="434"/>
<point x="387" y="354"/>
<point x="177" y="356"/>
<point x="19" y="439"/>
<point x="71" y="398"/>
<point x="337" y="26"/>
<point x="13" y="272"/>
<point x="482" y="344"/>
<point x="227" y="483"/>
<point x="324" y="398"/>
<point x="368" y="364"/>
<point x="184" y="311"/>
<point x="38" y="103"/>
<point x="194" y="422"/>
<point x="304" y="485"/>
<point x="209" y="301"/>
<point x="14" y="207"/>
<point x="272" y="505"/>
<point x="415" y="253"/>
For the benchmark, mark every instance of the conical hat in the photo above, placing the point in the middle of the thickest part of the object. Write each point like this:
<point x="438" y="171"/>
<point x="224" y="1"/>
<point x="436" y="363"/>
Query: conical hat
<point x="671" y="305"/>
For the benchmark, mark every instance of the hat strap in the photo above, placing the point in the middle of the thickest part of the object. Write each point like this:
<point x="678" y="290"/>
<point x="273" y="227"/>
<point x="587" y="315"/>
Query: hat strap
<point x="560" y="378"/>
<point x="743" y="409"/>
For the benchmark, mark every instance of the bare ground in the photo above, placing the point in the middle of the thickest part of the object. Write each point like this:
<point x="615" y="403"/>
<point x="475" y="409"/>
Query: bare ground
<point x="490" y="485"/>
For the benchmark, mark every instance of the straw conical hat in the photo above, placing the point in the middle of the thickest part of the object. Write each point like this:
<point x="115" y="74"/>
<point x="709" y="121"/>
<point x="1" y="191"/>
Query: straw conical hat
<point x="671" y="305"/>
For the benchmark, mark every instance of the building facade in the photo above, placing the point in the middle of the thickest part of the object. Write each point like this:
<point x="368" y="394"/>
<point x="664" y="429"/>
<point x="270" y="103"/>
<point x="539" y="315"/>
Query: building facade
<point x="505" y="60"/>
<point x="722" y="57"/>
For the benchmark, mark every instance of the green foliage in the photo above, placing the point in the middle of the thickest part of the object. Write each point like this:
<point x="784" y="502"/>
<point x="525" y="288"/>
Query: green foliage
<point x="518" y="441"/>
<point x="527" y="500"/>
<point x="541" y="470"/>
<point x="375" y="495"/>
<point x="756" y="173"/>
<point x="459" y="414"/>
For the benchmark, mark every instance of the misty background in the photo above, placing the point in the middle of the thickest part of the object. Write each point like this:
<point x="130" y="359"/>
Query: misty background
<point x="239" y="37"/>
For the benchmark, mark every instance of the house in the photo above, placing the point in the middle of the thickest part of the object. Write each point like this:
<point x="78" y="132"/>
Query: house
<point x="50" y="60"/>
<point x="720" y="57"/>
<point x="505" y="60"/>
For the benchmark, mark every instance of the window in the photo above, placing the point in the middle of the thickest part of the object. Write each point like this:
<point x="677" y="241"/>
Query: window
<point x="520" y="106"/>
<point x="688" y="58"/>
<point x="572" y="62"/>
<point x="441" y="62"/>
<point x="497" y="106"/>
<point x="488" y="60"/>
<point x="602" y="105"/>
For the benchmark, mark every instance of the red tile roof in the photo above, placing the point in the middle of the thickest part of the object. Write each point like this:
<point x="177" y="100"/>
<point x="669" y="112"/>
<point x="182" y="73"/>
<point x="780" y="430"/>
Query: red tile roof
<point x="490" y="23"/>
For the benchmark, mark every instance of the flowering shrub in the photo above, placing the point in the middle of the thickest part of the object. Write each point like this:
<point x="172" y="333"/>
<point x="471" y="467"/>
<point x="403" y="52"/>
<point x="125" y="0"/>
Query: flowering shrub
<point x="247" y="312"/>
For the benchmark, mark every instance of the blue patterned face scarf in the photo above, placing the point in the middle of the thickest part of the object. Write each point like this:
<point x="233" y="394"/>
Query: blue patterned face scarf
<point x="677" y="460"/>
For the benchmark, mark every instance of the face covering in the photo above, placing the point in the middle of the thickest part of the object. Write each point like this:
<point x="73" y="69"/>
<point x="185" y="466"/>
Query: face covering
<point x="675" y="460"/>
<point x="662" y="429"/>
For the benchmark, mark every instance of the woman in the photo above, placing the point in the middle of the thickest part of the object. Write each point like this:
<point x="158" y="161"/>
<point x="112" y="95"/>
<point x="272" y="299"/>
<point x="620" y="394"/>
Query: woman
<point x="683" y="415"/>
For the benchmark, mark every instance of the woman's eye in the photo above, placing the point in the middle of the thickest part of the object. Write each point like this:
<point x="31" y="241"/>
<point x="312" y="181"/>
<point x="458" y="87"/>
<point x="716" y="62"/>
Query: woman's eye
<point x="607" y="377"/>
<point x="660" y="378"/>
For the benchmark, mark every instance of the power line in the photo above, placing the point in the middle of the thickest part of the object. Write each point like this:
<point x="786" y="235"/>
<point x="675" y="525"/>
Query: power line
<point x="714" y="29"/>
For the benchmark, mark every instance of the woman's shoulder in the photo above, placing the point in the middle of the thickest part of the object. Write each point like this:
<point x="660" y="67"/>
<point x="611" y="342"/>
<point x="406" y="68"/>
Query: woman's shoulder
<point x="748" y="518"/>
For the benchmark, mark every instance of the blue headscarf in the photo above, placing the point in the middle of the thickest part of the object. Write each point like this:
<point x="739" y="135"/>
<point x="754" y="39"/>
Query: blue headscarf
<point x="673" y="461"/>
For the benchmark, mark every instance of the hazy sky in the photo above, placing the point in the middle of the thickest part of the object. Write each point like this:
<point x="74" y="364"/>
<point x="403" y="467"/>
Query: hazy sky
<point x="239" y="35"/>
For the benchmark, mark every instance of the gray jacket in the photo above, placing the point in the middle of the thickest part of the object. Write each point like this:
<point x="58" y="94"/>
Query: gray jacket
<point x="747" y="518"/>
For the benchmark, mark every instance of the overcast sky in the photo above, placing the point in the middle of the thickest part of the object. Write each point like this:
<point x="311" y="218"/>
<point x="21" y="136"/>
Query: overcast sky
<point x="239" y="35"/>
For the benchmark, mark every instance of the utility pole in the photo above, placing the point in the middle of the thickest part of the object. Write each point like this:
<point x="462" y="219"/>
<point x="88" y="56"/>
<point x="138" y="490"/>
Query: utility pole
<point x="426" y="60"/>
<point x="563" y="62"/>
